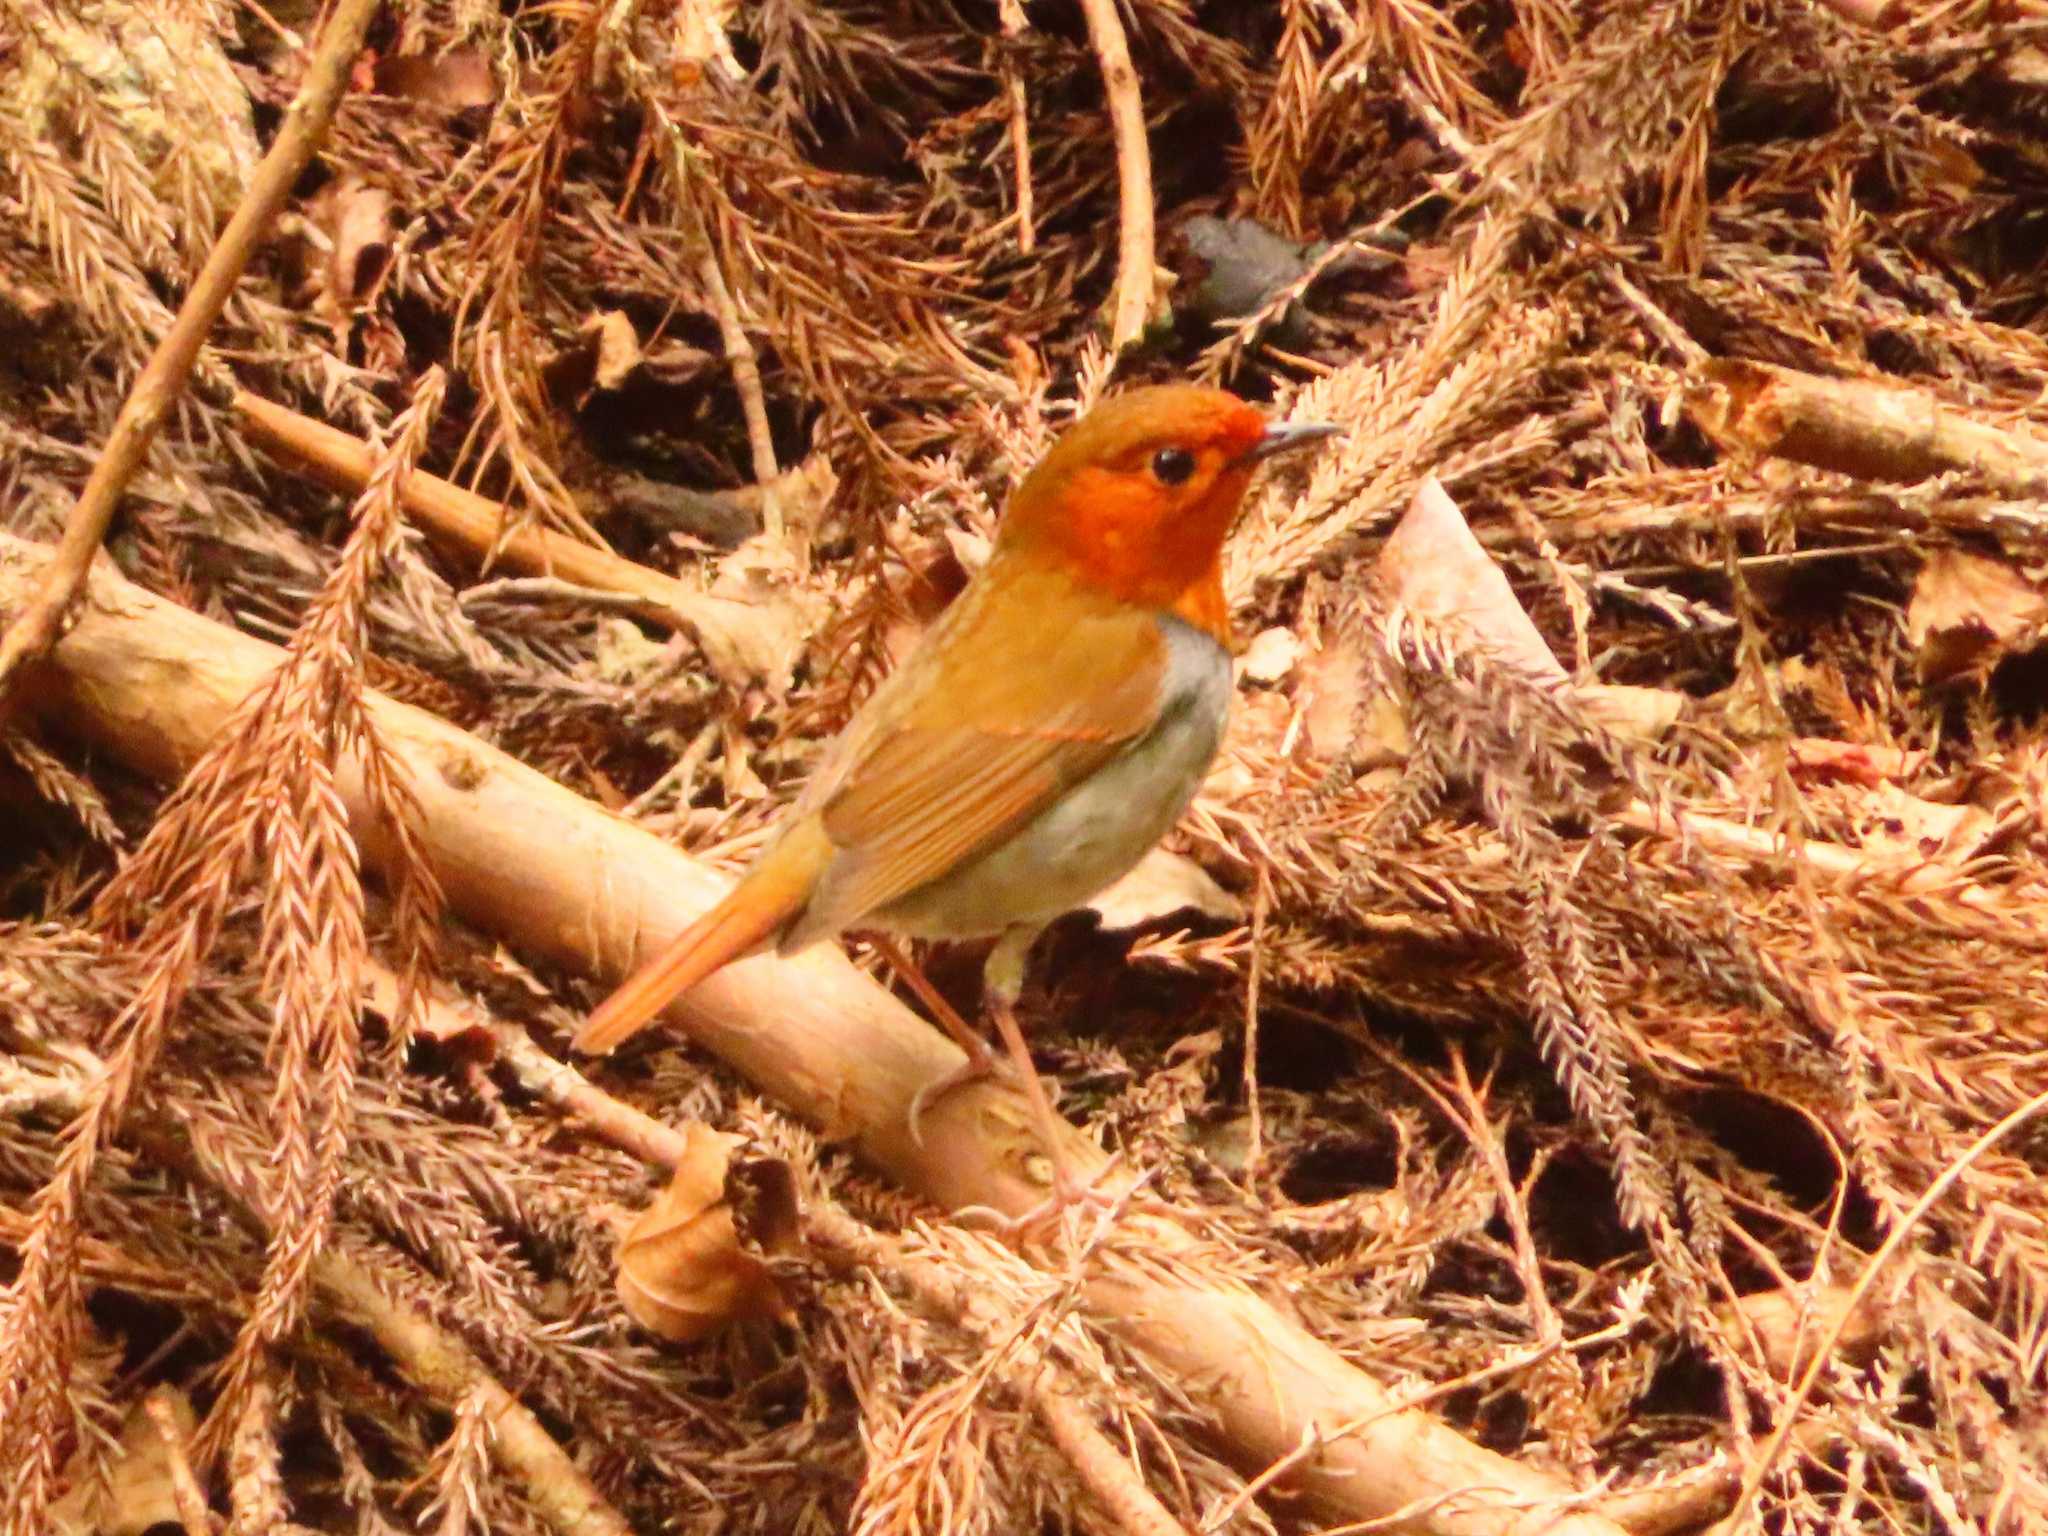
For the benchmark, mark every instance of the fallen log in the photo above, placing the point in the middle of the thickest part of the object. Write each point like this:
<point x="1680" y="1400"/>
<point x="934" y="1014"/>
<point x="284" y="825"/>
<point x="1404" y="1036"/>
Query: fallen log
<point x="148" y="683"/>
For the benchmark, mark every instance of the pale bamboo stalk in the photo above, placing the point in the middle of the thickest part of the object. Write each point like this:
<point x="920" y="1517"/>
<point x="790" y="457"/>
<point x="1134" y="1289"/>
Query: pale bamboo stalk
<point x="1860" y="427"/>
<point x="522" y="857"/>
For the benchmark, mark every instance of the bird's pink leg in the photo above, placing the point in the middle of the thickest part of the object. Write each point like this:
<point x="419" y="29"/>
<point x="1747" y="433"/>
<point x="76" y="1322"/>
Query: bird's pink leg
<point x="1002" y="984"/>
<point x="980" y="1060"/>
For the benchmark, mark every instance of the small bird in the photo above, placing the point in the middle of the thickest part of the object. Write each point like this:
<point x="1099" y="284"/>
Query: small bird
<point x="1045" y="733"/>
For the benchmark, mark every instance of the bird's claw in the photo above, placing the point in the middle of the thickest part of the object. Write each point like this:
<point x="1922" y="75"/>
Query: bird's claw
<point x="1068" y="1193"/>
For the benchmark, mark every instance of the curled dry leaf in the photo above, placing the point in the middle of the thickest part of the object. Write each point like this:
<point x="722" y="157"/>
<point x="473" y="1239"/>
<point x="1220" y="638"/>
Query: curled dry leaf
<point x="440" y="1016"/>
<point x="616" y="347"/>
<point x="1968" y="613"/>
<point x="603" y="356"/>
<point x="140" y="1492"/>
<point x="452" y="81"/>
<point x="355" y="218"/>
<point x="684" y="1272"/>
<point x="1433" y="566"/>
<point x="1164" y="883"/>
<point x="1787" y="1324"/>
<point x="1892" y="821"/>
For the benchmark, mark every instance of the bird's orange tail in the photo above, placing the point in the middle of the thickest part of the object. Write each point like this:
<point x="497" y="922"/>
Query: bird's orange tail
<point x="773" y="892"/>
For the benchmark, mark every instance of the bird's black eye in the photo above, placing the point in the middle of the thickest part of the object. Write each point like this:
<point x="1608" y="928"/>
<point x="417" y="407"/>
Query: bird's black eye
<point x="1172" y="466"/>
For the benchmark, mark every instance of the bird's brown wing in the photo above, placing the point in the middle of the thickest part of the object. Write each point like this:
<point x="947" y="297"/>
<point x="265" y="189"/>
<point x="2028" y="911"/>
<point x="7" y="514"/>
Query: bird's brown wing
<point x="1028" y="699"/>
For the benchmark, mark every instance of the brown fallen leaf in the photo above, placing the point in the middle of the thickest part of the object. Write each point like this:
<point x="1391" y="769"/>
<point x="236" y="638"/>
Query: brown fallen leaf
<point x="603" y="356"/>
<point x="439" y="1016"/>
<point x="1433" y="566"/>
<point x="1164" y="883"/>
<point x="141" y="1489"/>
<point x="1968" y="613"/>
<point x="1788" y="1324"/>
<point x="352" y="219"/>
<point x="1338" y="720"/>
<point x="1889" y="820"/>
<point x="454" y="81"/>
<point x="683" y="1271"/>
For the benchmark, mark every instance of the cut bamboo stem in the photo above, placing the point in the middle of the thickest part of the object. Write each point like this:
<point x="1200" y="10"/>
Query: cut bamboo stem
<point x="519" y="855"/>
<point x="470" y="526"/>
<point x="1858" y="427"/>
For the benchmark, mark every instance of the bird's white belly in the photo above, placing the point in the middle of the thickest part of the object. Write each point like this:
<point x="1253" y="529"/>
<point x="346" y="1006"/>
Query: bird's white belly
<point x="1093" y="835"/>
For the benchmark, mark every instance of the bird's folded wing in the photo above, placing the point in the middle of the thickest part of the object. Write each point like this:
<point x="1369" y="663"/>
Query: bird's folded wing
<point x="985" y="749"/>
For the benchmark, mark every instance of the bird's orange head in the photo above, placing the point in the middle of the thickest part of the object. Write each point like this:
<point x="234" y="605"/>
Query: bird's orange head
<point x="1136" y="499"/>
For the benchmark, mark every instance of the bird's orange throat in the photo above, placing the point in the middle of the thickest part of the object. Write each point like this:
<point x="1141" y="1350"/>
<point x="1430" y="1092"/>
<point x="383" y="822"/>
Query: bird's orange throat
<point x="1114" y="536"/>
<point x="1202" y="605"/>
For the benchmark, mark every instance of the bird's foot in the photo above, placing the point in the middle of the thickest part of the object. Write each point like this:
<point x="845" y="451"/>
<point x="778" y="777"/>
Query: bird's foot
<point x="981" y="1063"/>
<point x="1070" y="1193"/>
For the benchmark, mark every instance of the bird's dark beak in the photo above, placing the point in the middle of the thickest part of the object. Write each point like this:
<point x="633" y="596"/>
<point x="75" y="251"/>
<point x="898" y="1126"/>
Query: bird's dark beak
<point x="1281" y="439"/>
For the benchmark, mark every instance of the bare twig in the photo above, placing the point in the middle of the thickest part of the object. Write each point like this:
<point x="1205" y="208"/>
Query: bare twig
<point x="442" y="1365"/>
<point x="733" y="635"/>
<point x="162" y="379"/>
<point x="1014" y="21"/>
<point x="1134" y="259"/>
<point x="746" y="378"/>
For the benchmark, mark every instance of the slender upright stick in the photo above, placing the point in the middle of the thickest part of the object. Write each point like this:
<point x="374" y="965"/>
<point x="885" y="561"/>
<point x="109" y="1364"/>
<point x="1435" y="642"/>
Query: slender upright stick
<point x="1134" y="260"/>
<point x="162" y="379"/>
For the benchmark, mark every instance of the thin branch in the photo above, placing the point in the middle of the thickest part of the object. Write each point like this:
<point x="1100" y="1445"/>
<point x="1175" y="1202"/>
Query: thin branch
<point x="162" y="379"/>
<point x="1134" y="258"/>
<point x="1011" y="13"/>
<point x="745" y="364"/>
<point x="734" y="635"/>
